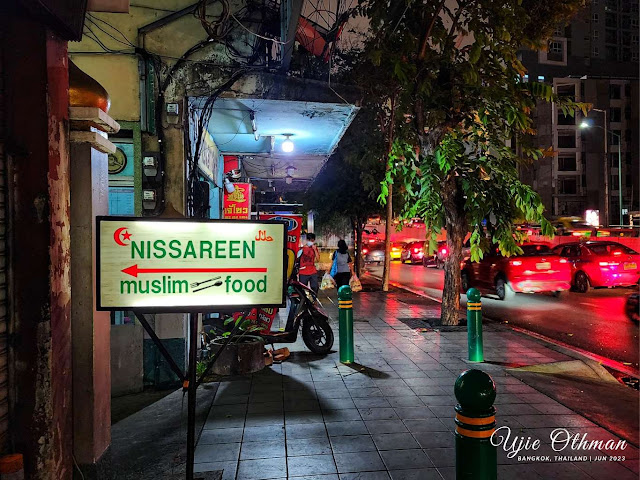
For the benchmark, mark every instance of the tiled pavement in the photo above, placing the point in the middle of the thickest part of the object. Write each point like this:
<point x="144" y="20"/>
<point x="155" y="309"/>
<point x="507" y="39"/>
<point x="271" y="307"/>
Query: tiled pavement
<point x="389" y="416"/>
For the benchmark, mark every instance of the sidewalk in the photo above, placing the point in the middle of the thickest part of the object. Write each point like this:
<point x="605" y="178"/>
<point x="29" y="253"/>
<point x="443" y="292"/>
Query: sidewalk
<point x="391" y="416"/>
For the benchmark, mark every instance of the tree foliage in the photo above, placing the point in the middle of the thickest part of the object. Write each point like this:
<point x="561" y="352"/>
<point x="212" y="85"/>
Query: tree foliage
<point x="349" y="184"/>
<point x="461" y="106"/>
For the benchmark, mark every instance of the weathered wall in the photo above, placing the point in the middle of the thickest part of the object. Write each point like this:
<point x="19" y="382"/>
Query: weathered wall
<point x="126" y="359"/>
<point x="36" y="99"/>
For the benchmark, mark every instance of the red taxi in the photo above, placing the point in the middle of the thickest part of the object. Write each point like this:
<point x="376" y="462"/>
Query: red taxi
<point x="537" y="269"/>
<point x="600" y="264"/>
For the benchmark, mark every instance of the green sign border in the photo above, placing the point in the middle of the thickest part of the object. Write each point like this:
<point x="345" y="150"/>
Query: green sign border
<point x="187" y="308"/>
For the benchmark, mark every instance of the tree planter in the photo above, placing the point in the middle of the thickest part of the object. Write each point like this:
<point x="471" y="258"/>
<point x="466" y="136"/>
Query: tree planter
<point x="238" y="358"/>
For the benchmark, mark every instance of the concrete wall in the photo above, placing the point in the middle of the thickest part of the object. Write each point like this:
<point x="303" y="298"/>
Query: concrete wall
<point x="126" y="359"/>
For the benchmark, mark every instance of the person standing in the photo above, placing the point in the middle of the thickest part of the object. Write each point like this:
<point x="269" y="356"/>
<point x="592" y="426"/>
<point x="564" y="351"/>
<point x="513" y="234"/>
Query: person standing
<point x="308" y="256"/>
<point x="344" y="264"/>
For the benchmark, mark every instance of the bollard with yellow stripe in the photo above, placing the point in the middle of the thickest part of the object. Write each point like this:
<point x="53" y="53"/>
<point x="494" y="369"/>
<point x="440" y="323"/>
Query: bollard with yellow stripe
<point x="345" y="314"/>
<point x="476" y="457"/>
<point x="474" y="326"/>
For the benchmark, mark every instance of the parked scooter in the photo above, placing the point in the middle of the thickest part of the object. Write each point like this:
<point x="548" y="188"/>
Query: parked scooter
<point x="305" y="311"/>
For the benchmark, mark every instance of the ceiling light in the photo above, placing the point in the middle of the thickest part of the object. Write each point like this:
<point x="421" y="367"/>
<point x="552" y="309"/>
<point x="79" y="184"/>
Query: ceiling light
<point x="287" y="145"/>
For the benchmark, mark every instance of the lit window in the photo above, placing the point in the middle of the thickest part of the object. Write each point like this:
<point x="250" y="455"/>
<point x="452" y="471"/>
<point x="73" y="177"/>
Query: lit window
<point x="541" y="78"/>
<point x="525" y="79"/>
<point x="594" y="18"/>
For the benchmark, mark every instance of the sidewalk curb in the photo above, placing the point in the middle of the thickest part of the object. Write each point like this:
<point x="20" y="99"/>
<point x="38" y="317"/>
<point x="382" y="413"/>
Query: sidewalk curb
<point x="557" y="345"/>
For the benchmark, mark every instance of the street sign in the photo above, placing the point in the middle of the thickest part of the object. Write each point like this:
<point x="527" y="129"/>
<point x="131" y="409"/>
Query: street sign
<point x="185" y="265"/>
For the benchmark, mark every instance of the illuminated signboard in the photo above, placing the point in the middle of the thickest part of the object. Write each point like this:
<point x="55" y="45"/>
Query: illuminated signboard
<point x="294" y="229"/>
<point x="237" y="205"/>
<point x="186" y="265"/>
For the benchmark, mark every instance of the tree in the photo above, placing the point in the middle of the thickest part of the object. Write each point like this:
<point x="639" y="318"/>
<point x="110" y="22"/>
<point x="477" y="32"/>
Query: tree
<point x="349" y="184"/>
<point x="461" y="103"/>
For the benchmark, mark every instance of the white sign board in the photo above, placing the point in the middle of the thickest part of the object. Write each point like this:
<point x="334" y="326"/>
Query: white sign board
<point x="186" y="265"/>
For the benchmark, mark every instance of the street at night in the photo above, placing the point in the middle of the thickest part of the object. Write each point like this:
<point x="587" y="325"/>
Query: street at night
<point x="594" y="321"/>
<point x="231" y="236"/>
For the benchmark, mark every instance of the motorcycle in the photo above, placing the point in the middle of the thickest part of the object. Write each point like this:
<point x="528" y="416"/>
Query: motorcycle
<point x="632" y="307"/>
<point x="305" y="312"/>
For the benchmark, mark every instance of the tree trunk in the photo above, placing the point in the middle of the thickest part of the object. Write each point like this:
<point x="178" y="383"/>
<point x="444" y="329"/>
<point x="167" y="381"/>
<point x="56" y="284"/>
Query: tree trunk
<point x="357" y="227"/>
<point x="456" y="227"/>
<point x="387" y="241"/>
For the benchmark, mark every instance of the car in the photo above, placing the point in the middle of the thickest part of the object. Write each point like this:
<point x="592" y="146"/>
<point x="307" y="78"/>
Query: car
<point x="413" y="252"/>
<point x="537" y="269"/>
<point x="373" y="253"/>
<point x="396" y="250"/>
<point x="600" y="264"/>
<point x="442" y="252"/>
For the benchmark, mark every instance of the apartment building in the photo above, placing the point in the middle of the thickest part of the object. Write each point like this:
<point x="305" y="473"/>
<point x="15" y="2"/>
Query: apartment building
<point x="594" y="60"/>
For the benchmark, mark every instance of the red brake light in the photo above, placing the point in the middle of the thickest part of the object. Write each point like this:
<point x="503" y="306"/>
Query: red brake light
<point x="516" y="263"/>
<point x="563" y="260"/>
<point x="443" y="251"/>
<point x="608" y="264"/>
<point x="618" y="252"/>
<point x="365" y="250"/>
<point x="416" y="250"/>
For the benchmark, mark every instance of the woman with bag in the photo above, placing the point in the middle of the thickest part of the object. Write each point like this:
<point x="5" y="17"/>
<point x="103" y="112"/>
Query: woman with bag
<point x="342" y="267"/>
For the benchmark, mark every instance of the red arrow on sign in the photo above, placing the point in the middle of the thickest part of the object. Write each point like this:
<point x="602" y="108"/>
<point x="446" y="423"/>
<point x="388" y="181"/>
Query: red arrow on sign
<point x="134" y="271"/>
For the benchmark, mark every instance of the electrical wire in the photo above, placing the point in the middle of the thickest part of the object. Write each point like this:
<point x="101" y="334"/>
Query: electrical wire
<point x="93" y="18"/>
<point x="261" y="36"/>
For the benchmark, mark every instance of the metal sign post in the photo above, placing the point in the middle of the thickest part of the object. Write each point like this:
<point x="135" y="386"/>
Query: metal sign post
<point x="178" y="265"/>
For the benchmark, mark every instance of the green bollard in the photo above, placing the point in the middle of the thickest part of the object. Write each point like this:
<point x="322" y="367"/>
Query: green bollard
<point x="476" y="457"/>
<point x="345" y="307"/>
<point x="474" y="325"/>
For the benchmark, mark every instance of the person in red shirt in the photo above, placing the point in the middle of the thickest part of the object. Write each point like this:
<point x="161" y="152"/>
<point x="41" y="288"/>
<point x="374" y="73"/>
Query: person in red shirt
<point x="308" y="256"/>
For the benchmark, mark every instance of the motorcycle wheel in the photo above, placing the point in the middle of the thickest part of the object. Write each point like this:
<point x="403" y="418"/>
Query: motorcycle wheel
<point x="317" y="335"/>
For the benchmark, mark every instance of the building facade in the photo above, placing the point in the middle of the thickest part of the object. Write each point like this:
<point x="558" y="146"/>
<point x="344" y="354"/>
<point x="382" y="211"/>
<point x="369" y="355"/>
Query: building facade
<point x="593" y="60"/>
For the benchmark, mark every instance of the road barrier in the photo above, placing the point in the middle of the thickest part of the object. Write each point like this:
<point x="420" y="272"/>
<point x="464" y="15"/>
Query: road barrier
<point x="345" y="308"/>
<point x="474" y="326"/>
<point x="476" y="457"/>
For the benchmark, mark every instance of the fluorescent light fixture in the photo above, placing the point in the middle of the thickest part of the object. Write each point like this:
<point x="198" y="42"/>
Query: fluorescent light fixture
<point x="228" y="186"/>
<point x="287" y="145"/>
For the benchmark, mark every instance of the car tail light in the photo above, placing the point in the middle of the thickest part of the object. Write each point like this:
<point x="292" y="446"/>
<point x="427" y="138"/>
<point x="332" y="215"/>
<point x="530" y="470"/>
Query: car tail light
<point x="443" y="251"/>
<point x="563" y="260"/>
<point x="416" y="250"/>
<point x="608" y="264"/>
<point x="617" y="253"/>
<point x="516" y="263"/>
<point x="365" y="250"/>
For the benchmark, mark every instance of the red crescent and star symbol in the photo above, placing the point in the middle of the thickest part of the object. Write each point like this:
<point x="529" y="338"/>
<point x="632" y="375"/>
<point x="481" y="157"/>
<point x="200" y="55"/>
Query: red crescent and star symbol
<point x="120" y="235"/>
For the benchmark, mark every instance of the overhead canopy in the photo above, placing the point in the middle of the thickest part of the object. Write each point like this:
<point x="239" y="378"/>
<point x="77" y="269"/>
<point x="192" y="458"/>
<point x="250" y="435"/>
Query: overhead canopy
<point x="256" y="129"/>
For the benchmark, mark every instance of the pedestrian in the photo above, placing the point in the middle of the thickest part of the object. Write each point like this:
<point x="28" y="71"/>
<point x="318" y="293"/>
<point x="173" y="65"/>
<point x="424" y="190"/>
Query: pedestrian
<point x="308" y="256"/>
<point x="344" y="264"/>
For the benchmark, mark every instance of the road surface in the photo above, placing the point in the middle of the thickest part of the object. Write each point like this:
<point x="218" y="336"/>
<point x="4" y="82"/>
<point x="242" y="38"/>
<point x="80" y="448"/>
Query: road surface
<point x="594" y="322"/>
